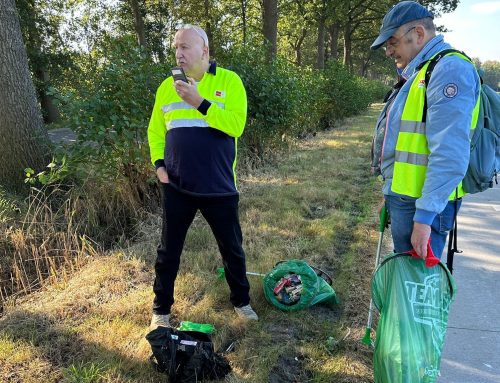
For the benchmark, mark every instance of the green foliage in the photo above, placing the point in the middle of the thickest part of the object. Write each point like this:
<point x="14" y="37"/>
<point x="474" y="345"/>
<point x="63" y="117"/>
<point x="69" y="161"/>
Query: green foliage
<point x="56" y="173"/>
<point x="286" y="102"/>
<point x="84" y="373"/>
<point x="274" y="94"/>
<point x="491" y="74"/>
<point x="111" y="114"/>
<point x="9" y="206"/>
<point x="345" y="94"/>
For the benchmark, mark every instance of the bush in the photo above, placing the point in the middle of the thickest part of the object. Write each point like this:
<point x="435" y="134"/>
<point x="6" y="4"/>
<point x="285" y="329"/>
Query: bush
<point x="274" y="95"/>
<point x="286" y="102"/>
<point x="111" y="117"/>
<point x="345" y="94"/>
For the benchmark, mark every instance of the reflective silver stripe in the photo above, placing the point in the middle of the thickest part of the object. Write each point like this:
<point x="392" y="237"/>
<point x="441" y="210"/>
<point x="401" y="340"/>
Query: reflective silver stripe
<point x="221" y="105"/>
<point x="412" y="127"/>
<point x="186" y="123"/>
<point x="412" y="158"/>
<point x="184" y="105"/>
<point x="176" y="106"/>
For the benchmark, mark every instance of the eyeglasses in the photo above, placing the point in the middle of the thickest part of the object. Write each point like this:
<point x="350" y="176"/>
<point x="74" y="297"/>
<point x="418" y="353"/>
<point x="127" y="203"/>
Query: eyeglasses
<point x="398" y="39"/>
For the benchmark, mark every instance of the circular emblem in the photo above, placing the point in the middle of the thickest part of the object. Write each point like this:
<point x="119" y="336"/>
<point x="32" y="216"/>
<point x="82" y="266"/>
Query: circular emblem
<point x="450" y="90"/>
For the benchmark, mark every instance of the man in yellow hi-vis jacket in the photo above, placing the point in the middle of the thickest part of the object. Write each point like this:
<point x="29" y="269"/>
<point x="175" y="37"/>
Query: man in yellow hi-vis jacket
<point x="424" y="149"/>
<point x="193" y="135"/>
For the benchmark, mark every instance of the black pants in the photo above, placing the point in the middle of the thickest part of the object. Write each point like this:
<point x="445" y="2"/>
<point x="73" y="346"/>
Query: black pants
<point x="221" y="213"/>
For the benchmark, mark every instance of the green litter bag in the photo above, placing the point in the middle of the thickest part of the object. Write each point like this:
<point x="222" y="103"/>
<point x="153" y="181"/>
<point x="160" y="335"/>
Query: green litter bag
<point x="413" y="301"/>
<point x="314" y="289"/>
<point x="205" y="328"/>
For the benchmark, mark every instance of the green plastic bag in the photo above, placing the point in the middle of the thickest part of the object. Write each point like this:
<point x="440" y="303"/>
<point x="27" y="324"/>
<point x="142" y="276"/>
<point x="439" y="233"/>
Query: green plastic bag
<point x="413" y="301"/>
<point x="315" y="289"/>
<point x="206" y="328"/>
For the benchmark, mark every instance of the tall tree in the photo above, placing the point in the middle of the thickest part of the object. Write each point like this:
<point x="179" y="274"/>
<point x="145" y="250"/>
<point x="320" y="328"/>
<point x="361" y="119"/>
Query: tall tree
<point x="270" y="26"/>
<point x="23" y="138"/>
<point x="39" y="27"/>
<point x="138" y="23"/>
<point x="491" y="74"/>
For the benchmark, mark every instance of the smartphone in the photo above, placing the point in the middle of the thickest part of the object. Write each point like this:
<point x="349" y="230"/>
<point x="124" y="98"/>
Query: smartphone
<point x="178" y="74"/>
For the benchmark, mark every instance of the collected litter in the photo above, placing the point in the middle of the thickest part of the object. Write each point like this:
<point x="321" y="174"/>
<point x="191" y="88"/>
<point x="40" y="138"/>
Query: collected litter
<point x="294" y="285"/>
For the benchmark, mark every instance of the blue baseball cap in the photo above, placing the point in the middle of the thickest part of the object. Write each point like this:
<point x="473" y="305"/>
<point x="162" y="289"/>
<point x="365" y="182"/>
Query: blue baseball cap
<point x="400" y="14"/>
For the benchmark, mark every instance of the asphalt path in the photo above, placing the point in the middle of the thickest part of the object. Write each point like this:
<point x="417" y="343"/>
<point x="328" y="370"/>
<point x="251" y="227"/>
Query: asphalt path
<point x="472" y="347"/>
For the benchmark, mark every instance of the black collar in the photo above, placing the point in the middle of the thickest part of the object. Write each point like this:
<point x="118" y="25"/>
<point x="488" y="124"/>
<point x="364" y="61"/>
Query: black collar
<point x="212" y="68"/>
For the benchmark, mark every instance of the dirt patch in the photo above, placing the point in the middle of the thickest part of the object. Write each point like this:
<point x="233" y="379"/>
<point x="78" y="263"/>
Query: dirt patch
<point x="289" y="369"/>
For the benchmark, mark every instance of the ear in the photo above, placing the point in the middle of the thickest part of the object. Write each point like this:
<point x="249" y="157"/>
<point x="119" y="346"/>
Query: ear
<point x="206" y="52"/>
<point x="421" y="34"/>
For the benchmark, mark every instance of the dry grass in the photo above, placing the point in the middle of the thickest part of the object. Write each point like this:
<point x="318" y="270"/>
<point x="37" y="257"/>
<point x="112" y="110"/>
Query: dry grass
<point x="56" y="229"/>
<point x="319" y="204"/>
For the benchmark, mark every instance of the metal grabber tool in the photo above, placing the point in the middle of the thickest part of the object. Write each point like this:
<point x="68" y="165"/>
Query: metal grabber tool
<point x="384" y="220"/>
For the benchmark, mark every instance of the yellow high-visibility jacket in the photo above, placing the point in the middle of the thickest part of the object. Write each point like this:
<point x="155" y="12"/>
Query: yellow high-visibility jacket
<point x="198" y="147"/>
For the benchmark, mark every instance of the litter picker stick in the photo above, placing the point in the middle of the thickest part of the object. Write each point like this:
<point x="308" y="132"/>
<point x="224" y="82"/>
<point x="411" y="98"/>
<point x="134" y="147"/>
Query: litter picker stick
<point x="222" y="273"/>
<point x="384" y="218"/>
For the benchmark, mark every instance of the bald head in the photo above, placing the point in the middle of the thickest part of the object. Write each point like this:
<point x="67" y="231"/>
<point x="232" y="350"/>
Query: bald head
<point x="191" y="51"/>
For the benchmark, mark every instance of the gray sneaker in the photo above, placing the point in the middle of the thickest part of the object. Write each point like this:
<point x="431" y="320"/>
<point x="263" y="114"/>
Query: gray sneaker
<point x="159" y="321"/>
<point x="246" y="312"/>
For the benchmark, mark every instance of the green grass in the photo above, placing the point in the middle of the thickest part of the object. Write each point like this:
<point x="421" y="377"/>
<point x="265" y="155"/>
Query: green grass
<point x="317" y="204"/>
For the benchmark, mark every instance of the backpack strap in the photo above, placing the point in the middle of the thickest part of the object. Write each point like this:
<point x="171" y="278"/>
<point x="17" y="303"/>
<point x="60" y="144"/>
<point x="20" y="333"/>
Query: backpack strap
<point x="452" y="239"/>
<point x="432" y="63"/>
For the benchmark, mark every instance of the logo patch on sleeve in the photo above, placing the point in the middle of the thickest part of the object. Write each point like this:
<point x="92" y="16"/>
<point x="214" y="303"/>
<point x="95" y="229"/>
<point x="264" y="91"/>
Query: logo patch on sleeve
<point x="220" y="93"/>
<point x="450" y="90"/>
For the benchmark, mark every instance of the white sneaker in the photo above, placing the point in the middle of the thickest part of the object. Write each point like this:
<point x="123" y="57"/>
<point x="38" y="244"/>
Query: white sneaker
<point x="159" y="321"/>
<point x="246" y="312"/>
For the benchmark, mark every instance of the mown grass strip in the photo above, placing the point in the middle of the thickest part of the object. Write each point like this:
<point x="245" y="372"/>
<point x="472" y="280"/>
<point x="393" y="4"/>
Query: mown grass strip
<point x="318" y="204"/>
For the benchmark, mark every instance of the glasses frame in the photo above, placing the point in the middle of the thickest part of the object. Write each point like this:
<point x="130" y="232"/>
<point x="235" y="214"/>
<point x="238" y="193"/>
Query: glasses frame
<point x="398" y="40"/>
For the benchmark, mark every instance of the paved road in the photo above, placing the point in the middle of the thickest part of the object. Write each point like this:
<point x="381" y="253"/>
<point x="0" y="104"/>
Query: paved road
<point x="472" y="348"/>
<point x="62" y="135"/>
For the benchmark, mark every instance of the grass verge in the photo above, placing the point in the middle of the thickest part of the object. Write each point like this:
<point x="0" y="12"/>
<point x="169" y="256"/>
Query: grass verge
<point x="318" y="204"/>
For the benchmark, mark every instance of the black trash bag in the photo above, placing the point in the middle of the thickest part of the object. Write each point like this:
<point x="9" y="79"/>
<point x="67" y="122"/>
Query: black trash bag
<point x="186" y="356"/>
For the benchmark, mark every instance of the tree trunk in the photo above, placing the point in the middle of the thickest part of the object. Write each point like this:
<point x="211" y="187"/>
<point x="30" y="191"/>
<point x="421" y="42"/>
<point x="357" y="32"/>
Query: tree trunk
<point x="244" y="5"/>
<point x="334" y="40"/>
<point x="51" y="113"/>
<point x="138" y="23"/>
<point x="365" y="64"/>
<point x="320" y="62"/>
<point x="208" y="28"/>
<point x="270" y="26"/>
<point x="23" y="138"/>
<point x="347" y="46"/>
<point x="298" y="47"/>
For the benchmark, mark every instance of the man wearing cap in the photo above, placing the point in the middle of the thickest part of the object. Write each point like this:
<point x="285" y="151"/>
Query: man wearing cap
<point x="192" y="136"/>
<point x="424" y="150"/>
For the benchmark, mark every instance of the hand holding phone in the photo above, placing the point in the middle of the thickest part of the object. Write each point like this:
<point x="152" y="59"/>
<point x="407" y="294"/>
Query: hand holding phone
<point x="178" y="74"/>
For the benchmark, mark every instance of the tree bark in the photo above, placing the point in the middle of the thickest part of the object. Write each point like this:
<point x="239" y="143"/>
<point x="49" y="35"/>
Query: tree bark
<point x="51" y="113"/>
<point x="208" y="28"/>
<point x="334" y="31"/>
<point x="270" y="26"/>
<point x="320" y="62"/>
<point x="298" y="47"/>
<point x="347" y="46"/>
<point x="138" y="23"/>
<point x="23" y="138"/>
<point x="244" y="5"/>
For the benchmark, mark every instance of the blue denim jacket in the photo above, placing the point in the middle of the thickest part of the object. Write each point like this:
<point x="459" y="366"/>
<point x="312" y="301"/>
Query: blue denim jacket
<point x="452" y="93"/>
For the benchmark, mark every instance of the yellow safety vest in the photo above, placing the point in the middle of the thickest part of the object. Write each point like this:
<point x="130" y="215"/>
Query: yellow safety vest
<point x="412" y="151"/>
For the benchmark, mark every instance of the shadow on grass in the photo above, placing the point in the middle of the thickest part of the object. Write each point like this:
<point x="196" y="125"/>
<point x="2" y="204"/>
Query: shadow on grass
<point x="59" y="350"/>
